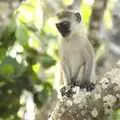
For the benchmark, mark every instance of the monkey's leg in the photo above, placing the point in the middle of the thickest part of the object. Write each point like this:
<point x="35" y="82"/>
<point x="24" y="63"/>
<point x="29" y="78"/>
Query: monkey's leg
<point x="88" y="76"/>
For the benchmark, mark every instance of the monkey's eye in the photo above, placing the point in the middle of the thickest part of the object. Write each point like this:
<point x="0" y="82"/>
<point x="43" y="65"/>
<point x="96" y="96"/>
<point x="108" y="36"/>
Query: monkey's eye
<point x="78" y="16"/>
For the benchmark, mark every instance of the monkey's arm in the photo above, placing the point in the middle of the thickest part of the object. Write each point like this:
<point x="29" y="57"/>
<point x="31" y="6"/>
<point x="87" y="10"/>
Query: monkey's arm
<point x="66" y="73"/>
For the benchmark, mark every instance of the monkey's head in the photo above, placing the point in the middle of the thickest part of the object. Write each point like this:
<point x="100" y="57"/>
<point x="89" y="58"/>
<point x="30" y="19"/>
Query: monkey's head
<point x="69" y="22"/>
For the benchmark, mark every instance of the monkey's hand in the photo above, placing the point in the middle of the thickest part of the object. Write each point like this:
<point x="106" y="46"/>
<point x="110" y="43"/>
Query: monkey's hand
<point x="67" y="91"/>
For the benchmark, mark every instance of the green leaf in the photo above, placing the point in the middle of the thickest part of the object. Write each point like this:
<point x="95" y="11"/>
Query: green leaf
<point x="47" y="61"/>
<point x="7" y="36"/>
<point x="7" y="69"/>
<point x="2" y="53"/>
<point x="22" y="35"/>
<point x="9" y="66"/>
<point x="34" y="42"/>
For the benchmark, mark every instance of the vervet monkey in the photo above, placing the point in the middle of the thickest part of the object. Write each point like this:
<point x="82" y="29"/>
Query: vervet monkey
<point x="77" y="55"/>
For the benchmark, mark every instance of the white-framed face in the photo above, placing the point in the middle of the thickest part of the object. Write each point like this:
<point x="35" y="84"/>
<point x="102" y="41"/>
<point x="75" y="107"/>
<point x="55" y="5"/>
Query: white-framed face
<point x="68" y="22"/>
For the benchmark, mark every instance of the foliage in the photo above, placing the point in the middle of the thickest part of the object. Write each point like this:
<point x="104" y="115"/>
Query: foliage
<point x="24" y="58"/>
<point x="28" y="55"/>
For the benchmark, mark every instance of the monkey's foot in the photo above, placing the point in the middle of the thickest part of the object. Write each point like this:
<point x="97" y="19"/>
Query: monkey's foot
<point x="88" y="86"/>
<point x="67" y="91"/>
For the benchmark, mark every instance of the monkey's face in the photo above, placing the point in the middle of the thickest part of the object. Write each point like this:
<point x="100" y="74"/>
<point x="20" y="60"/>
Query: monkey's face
<point x="64" y="28"/>
<point x="68" y="23"/>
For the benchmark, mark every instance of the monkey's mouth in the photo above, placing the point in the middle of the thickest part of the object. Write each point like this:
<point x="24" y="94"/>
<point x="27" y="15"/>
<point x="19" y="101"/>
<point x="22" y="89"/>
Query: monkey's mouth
<point x="63" y="28"/>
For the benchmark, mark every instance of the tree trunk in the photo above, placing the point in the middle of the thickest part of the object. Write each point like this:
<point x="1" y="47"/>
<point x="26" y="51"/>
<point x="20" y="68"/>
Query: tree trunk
<point x="96" y="29"/>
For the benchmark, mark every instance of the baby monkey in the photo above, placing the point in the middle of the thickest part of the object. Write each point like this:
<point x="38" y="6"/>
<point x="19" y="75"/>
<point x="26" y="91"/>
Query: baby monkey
<point x="77" y="55"/>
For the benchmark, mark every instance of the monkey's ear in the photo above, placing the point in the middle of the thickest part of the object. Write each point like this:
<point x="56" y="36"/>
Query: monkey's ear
<point x="78" y="16"/>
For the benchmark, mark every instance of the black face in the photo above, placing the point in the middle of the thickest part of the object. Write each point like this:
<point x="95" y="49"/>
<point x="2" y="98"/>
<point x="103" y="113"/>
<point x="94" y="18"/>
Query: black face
<point x="64" y="28"/>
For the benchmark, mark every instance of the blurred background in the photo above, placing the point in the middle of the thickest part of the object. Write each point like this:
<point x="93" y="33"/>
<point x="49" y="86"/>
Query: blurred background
<point x="29" y="52"/>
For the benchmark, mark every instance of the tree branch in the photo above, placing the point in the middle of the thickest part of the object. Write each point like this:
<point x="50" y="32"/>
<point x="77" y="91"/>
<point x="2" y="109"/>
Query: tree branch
<point x="96" y="105"/>
<point x="96" y="20"/>
<point x="96" y="29"/>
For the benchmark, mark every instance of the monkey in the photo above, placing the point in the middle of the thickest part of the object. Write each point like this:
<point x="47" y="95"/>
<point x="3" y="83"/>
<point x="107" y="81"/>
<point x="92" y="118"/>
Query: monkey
<point x="76" y="52"/>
